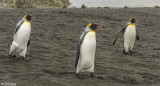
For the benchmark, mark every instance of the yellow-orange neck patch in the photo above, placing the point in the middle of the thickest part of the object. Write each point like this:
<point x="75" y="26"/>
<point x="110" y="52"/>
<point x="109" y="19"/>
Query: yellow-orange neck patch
<point x="132" y="25"/>
<point x="28" y="21"/>
<point x="92" y="31"/>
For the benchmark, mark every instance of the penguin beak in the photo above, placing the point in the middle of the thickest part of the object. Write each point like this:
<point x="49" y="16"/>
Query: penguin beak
<point x="33" y="18"/>
<point x="136" y="20"/>
<point x="100" y="26"/>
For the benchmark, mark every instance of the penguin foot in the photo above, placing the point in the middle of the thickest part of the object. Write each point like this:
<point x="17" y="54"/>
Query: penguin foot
<point x="92" y="74"/>
<point x="24" y="59"/>
<point x="12" y="56"/>
<point x="79" y="76"/>
<point x="124" y="52"/>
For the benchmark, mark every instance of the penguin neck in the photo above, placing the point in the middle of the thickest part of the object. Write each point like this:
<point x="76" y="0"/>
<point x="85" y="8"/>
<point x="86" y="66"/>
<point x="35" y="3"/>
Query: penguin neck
<point x="132" y="24"/>
<point x="27" y="21"/>
<point x="92" y="31"/>
<point x="88" y="29"/>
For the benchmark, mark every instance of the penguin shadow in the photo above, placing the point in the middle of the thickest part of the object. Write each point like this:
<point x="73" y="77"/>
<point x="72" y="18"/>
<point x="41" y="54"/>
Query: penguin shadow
<point x="87" y="76"/>
<point x="16" y="58"/>
<point x="129" y="53"/>
<point x="16" y="61"/>
<point x="81" y="76"/>
<point x="57" y="74"/>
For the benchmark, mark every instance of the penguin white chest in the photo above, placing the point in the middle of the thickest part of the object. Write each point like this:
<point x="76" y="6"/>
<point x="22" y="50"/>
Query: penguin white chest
<point x="88" y="48"/>
<point x="22" y="35"/>
<point x="130" y="34"/>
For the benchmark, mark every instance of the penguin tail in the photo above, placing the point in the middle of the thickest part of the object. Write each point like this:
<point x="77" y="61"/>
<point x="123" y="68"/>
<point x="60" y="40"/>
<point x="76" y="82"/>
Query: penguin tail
<point x="137" y="37"/>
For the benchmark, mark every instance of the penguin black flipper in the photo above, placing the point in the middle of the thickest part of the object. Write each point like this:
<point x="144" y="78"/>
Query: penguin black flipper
<point x="122" y="31"/>
<point x="29" y="42"/>
<point x="16" y="29"/>
<point x="18" y="25"/>
<point x="79" y="46"/>
<point x="116" y="38"/>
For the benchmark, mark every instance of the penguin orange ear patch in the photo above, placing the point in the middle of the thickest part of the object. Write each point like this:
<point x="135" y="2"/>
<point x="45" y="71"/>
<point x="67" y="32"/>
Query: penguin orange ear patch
<point x="25" y="16"/>
<point x="130" y="19"/>
<point x="89" y="25"/>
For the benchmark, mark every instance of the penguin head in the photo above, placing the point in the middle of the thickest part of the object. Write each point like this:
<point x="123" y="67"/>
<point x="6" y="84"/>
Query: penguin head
<point x="94" y="26"/>
<point x="28" y="17"/>
<point x="133" y="20"/>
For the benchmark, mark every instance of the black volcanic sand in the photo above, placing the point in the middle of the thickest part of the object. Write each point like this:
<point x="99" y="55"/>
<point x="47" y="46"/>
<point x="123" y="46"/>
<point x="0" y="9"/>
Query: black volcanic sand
<point x="54" y="37"/>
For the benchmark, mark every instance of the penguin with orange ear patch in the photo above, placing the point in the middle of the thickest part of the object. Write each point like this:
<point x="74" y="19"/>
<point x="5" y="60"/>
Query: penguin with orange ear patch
<point x="86" y="49"/>
<point x="21" y="38"/>
<point x="129" y="35"/>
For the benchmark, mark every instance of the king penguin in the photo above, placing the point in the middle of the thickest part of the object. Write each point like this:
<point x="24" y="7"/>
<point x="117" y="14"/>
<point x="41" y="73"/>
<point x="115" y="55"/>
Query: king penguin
<point x="129" y="35"/>
<point x="86" y="50"/>
<point x="21" y="38"/>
